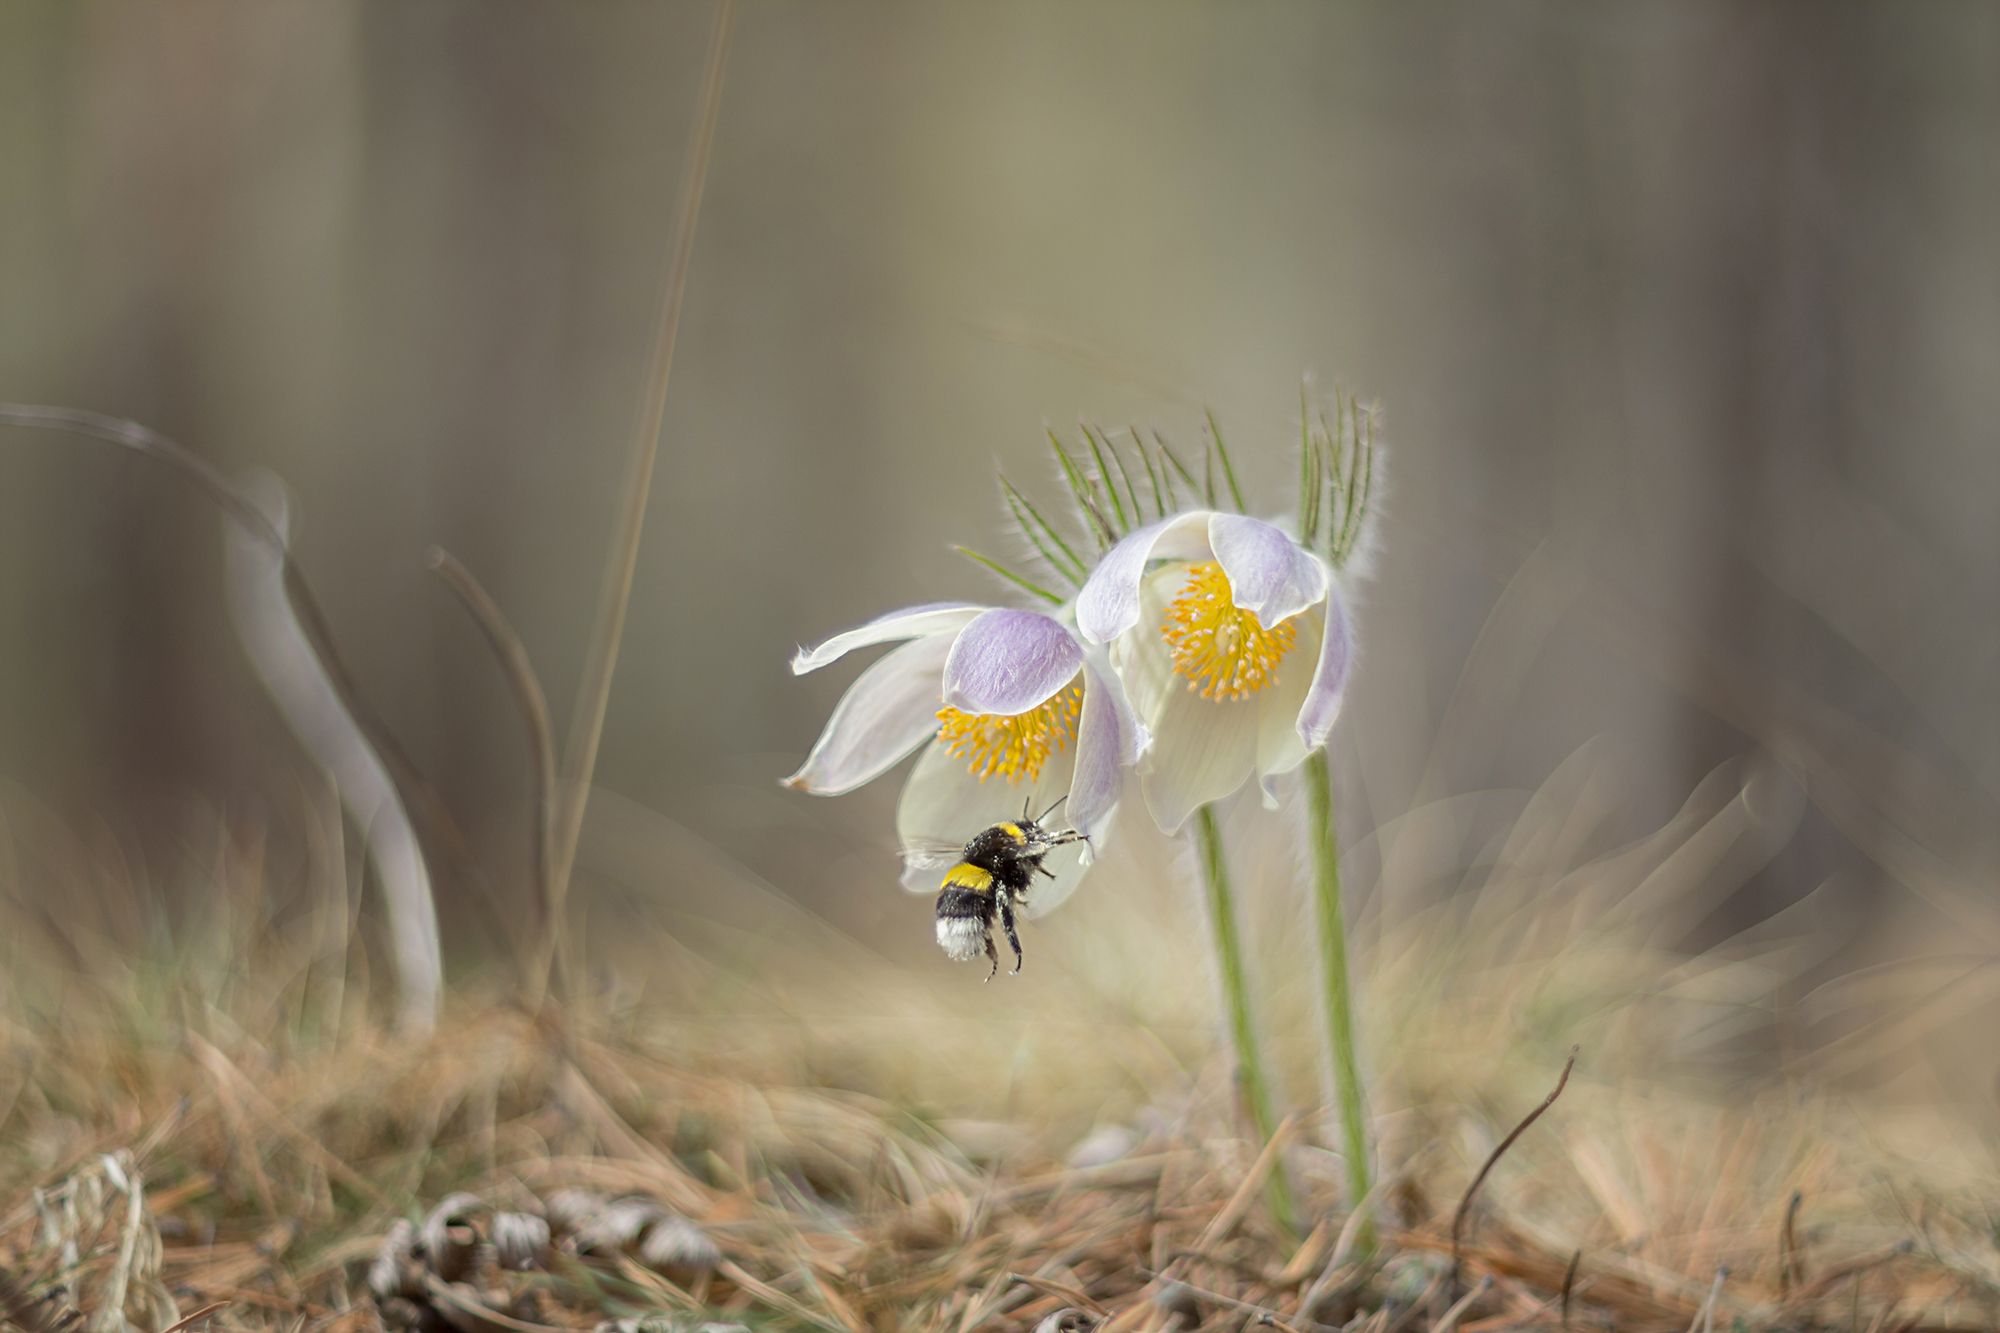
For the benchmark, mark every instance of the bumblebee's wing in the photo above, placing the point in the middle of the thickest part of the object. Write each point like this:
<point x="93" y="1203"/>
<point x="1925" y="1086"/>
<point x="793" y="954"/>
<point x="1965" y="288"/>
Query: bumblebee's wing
<point x="924" y="864"/>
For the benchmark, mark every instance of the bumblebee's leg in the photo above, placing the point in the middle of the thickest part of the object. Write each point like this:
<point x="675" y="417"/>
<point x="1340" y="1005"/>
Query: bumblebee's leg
<point x="992" y="957"/>
<point x="1007" y="920"/>
<point x="1045" y="870"/>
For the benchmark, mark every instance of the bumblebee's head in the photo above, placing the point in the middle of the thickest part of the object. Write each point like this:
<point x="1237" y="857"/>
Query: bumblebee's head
<point x="1034" y="838"/>
<point x="1018" y="842"/>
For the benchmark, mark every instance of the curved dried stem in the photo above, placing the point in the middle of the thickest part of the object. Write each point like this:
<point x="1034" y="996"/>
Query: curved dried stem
<point x="418" y="957"/>
<point x="1465" y="1200"/>
<point x="546" y="972"/>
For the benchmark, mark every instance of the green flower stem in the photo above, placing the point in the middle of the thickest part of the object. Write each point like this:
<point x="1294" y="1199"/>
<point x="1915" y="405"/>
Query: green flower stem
<point x="1333" y="969"/>
<point x="1235" y="990"/>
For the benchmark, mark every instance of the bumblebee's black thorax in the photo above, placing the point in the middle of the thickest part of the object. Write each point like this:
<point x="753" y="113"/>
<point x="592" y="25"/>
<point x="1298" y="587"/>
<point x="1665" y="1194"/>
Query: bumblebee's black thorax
<point x="1005" y="852"/>
<point x="991" y="880"/>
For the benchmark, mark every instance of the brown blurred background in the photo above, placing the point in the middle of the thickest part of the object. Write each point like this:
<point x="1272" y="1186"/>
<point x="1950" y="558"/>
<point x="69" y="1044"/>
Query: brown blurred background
<point x="1685" y="317"/>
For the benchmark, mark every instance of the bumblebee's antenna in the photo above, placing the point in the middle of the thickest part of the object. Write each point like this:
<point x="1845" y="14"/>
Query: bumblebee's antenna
<point x="1052" y="809"/>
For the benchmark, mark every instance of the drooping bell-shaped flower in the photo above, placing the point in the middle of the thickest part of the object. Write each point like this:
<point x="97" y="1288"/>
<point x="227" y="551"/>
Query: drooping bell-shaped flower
<point x="1013" y="710"/>
<point x="1233" y="644"/>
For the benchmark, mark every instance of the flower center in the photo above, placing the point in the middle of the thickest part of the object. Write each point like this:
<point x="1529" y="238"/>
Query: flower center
<point x="1224" y="651"/>
<point x="1013" y="747"/>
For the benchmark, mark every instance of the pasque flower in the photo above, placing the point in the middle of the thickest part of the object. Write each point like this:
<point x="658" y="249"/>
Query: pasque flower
<point x="1013" y="711"/>
<point x="1208" y="647"/>
<point x="1233" y="643"/>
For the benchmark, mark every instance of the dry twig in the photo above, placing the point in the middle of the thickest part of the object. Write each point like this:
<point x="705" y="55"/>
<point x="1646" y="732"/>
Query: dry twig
<point x="1789" y="1264"/>
<point x="1465" y="1201"/>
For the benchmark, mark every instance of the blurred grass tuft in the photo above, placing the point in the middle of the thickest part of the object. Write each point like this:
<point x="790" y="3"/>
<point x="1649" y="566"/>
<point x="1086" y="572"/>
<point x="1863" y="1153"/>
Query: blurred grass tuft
<point x="217" y="1112"/>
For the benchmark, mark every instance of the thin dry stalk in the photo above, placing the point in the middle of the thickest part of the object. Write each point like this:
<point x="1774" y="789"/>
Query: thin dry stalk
<point x="1838" y="1273"/>
<point x="1268" y="1160"/>
<point x="1465" y="1201"/>
<point x="1063" y="1291"/>
<point x="544" y="976"/>
<point x="587" y="717"/>
<point x="1457" y="1312"/>
<point x="1262" y="1314"/>
<point x="1704" y="1322"/>
<point x="1790" y="1269"/>
<point x="189" y="1320"/>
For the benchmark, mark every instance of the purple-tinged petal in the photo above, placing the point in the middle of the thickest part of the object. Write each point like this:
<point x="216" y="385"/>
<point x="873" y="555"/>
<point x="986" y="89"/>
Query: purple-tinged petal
<point x="1270" y="575"/>
<point x="1133" y="737"/>
<point x="1007" y="662"/>
<point x="1109" y="602"/>
<point x="1336" y="657"/>
<point x="1108" y="741"/>
<point x="911" y="623"/>
<point x="888" y="712"/>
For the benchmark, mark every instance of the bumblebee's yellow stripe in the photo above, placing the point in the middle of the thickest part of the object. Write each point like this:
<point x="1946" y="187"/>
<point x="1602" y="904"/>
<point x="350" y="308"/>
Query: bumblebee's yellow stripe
<point x="967" y="876"/>
<point x="1013" y="831"/>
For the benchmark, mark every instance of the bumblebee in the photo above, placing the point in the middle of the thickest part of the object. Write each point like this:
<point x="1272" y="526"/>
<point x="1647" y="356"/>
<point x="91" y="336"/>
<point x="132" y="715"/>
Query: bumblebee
<point x="991" y="879"/>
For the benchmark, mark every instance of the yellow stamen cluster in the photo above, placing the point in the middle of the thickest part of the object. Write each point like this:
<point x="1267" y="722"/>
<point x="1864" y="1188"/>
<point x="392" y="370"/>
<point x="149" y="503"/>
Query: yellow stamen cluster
<point x="1224" y="651"/>
<point x="1016" y="747"/>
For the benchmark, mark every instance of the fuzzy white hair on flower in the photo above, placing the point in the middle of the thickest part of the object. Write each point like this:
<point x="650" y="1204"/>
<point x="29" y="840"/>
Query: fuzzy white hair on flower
<point x="1012" y="710"/>
<point x="1234" y="643"/>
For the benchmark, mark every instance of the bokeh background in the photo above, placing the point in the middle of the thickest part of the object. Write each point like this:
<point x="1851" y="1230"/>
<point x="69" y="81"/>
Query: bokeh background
<point x="1684" y="319"/>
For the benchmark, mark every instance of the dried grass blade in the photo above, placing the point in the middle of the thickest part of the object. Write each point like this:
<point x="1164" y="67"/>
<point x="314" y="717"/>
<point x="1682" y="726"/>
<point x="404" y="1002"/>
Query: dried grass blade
<point x="1465" y="1202"/>
<point x="545" y="973"/>
<point x="189" y="1319"/>
<point x="586" y="727"/>
<point x="1233" y="1212"/>
<point x="1063" y="1291"/>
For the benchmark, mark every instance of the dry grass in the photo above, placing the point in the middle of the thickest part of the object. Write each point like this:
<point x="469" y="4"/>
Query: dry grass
<point x="180" y="1179"/>
<point x="825" y="1138"/>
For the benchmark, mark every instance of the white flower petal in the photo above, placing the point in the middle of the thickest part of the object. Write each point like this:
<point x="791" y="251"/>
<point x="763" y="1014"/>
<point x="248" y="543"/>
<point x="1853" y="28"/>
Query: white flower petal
<point x="1200" y="750"/>
<point x="910" y="623"/>
<point x="1109" y="602"/>
<point x="1006" y="662"/>
<point x="1107" y="742"/>
<point x="1279" y="747"/>
<point x="1141" y="661"/>
<point x="1269" y="574"/>
<point x="1336" y="659"/>
<point x="885" y="714"/>
<point x="1203" y="750"/>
